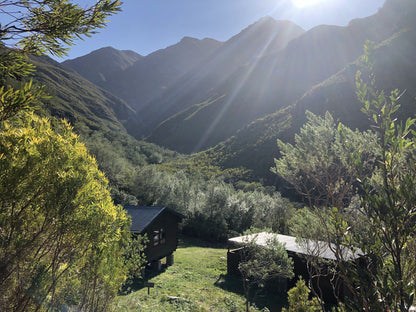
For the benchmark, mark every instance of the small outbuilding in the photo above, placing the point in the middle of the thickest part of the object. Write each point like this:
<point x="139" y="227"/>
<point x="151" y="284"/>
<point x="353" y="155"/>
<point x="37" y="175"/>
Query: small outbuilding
<point x="161" y="226"/>
<point x="302" y="252"/>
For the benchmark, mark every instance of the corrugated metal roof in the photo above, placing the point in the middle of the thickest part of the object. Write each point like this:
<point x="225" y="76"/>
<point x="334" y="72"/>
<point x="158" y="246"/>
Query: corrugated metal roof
<point x="142" y="216"/>
<point x="305" y="246"/>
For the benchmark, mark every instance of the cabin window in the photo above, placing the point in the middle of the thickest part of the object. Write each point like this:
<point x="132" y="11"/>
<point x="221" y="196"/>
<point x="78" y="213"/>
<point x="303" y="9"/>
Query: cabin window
<point x="159" y="237"/>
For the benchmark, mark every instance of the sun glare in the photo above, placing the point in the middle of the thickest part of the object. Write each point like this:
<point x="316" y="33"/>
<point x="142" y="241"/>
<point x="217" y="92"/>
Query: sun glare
<point x="305" y="3"/>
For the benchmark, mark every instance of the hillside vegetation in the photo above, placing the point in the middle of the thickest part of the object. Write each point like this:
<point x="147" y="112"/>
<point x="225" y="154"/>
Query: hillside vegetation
<point x="234" y="107"/>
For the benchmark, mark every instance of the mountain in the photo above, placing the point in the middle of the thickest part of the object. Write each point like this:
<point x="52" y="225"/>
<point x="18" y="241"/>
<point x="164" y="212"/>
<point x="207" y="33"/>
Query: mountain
<point x="196" y="115"/>
<point x="185" y="73"/>
<point x="209" y="87"/>
<point x="98" y="117"/>
<point x="78" y="100"/>
<point x="149" y="76"/>
<point x="100" y="65"/>
<point x="254" y="146"/>
<point x="236" y="100"/>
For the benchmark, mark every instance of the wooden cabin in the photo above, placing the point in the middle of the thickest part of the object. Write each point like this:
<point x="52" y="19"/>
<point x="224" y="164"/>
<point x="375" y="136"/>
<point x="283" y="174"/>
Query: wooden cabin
<point x="301" y="253"/>
<point x="161" y="226"/>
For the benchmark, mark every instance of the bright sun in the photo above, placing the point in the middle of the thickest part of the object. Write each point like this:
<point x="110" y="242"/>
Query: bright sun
<point x="305" y="3"/>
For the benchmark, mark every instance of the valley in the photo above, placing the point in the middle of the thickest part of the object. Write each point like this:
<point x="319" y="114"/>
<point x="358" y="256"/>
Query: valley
<point x="303" y="132"/>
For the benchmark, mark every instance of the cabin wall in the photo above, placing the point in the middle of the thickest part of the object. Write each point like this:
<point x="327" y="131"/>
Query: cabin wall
<point x="300" y="268"/>
<point x="233" y="260"/>
<point x="169" y="224"/>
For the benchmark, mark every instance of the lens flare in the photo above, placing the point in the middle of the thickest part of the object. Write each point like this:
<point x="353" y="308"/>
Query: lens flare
<point x="305" y="3"/>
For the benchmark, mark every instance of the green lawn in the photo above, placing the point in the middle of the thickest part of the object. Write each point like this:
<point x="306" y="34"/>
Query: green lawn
<point x="198" y="278"/>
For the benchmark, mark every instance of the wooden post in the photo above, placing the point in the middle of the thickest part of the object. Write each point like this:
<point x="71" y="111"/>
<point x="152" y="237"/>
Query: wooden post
<point x="169" y="260"/>
<point x="157" y="265"/>
<point x="149" y="285"/>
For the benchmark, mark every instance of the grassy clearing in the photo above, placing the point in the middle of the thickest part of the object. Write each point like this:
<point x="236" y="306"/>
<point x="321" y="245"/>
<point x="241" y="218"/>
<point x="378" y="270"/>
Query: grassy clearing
<point x="198" y="278"/>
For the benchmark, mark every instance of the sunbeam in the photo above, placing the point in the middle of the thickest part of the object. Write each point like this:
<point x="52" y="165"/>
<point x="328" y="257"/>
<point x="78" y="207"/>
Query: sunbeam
<point x="230" y="99"/>
<point x="305" y="3"/>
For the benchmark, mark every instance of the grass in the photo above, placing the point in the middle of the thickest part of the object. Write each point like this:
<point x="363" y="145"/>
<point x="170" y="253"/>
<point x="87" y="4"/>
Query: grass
<point x="198" y="280"/>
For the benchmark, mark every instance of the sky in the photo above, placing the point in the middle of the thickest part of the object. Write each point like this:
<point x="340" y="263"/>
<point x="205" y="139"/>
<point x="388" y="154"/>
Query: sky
<point x="145" y="26"/>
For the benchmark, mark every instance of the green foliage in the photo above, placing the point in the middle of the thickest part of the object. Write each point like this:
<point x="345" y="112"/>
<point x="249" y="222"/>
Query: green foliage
<point x="60" y="228"/>
<point x="13" y="101"/>
<point x="38" y="27"/>
<point x="214" y="209"/>
<point x="207" y="165"/>
<point x="15" y="64"/>
<point x="387" y="202"/>
<point x="49" y="26"/>
<point x="307" y="224"/>
<point x="318" y="165"/>
<point x="260" y="264"/>
<point x="298" y="299"/>
<point x="135" y="259"/>
<point x="61" y="239"/>
<point x="119" y="155"/>
<point x="382" y="227"/>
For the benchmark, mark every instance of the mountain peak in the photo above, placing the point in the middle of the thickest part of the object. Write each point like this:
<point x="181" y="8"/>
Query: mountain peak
<point x="104" y="49"/>
<point x="189" y="39"/>
<point x="100" y="64"/>
<point x="266" y="19"/>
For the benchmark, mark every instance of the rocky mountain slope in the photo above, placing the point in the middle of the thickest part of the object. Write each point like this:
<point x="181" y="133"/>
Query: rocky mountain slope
<point x="78" y="100"/>
<point x="99" y="66"/>
<point x="200" y="119"/>
<point x="238" y="99"/>
<point x="140" y="81"/>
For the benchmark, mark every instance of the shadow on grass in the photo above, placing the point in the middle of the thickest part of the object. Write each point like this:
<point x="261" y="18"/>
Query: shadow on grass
<point x="231" y="283"/>
<point x="134" y="284"/>
<point x="268" y="297"/>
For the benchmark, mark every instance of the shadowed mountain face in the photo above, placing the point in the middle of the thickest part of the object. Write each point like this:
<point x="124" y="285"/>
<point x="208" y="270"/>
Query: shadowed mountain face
<point x="100" y="65"/>
<point x="78" y="100"/>
<point x="147" y="77"/>
<point x="197" y="93"/>
<point x="198" y="115"/>
<point x="255" y="147"/>
<point x="195" y="102"/>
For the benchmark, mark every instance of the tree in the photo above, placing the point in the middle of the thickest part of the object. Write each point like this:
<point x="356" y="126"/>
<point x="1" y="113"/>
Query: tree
<point x="260" y="264"/>
<point x="135" y="259"/>
<point x="383" y="173"/>
<point x="61" y="237"/>
<point x="58" y="224"/>
<point x="50" y="26"/>
<point x="319" y="168"/>
<point x="318" y="165"/>
<point x="38" y="27"/>
<point x="388" y="200"/>
<point x="298" y="299"/>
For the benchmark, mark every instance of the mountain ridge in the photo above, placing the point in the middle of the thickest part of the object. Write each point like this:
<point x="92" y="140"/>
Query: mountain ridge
<point x="254" y="146"/>
<point x="79" y="99"/>
<point x="234" y="120"/>
<point x="99" y="65"/>
<point x="222" y="72"/>
<point x="275" y="81"/>
<point x="150" y="75"/>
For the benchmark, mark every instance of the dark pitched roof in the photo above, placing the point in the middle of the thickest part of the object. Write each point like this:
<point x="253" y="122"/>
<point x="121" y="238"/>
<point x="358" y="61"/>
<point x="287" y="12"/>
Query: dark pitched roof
<point x="142" y="216"/>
